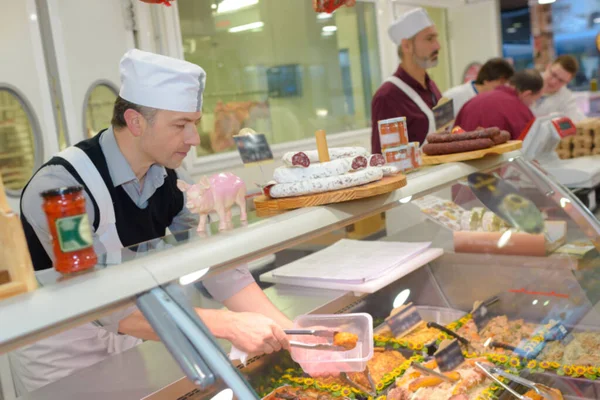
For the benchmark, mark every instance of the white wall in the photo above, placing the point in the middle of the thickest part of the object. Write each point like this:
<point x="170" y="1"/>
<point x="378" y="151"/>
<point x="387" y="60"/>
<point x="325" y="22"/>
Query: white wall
<point x="23" y="69"/>
<point x="474" y="35"/>
<point x="90" y="37"/>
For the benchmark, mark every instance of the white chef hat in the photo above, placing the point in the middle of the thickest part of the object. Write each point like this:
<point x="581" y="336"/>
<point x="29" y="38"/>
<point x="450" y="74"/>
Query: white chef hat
<point x="408" y="25"/>
<point x="161" y="82"/>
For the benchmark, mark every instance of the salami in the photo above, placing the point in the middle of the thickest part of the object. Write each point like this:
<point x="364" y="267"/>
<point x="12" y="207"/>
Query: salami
<point x="359" y="162"/>
<point x="305" y="158"/>
<point x="435" y="149"/>
<point x="494" y="133"/>
<point x="313" y="171"/>
<point x="388" y="170"/>
<point x="296" y="159"/>
<point x="322" y="185"/>
<point x="376" y="160"/>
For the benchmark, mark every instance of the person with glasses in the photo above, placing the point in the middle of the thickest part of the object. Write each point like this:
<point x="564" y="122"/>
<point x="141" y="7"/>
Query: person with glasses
<point x="556" y="96"/>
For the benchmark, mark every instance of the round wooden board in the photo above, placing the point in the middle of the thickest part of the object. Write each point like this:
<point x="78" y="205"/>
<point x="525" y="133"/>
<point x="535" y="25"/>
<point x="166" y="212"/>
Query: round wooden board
<point x="511" y="145"/>
<point x="266" y="207"/>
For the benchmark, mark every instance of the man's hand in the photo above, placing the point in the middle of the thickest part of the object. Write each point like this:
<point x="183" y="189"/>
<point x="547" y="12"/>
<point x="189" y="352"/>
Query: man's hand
<point x="255" y="333"/>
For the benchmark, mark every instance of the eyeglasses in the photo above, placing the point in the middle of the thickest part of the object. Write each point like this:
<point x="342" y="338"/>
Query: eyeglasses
<point x="558" y="78"/>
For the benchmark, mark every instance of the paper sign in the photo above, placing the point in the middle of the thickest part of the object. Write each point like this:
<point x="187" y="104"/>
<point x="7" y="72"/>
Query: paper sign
<point x="253" y="148"/>
<point x="443" y="114"/>
<point x="449" y="357"/>
<point x="404" y="320"/>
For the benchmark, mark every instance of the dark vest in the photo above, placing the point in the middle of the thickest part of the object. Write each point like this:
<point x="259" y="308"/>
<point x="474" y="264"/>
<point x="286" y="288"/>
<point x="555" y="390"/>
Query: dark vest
<point x="134" y="225"/>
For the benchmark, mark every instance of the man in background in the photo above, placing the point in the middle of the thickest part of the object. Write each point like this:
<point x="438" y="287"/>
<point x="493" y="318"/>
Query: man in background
<point x="493" y="73"/>
<point x="556" y="96"/>
<point x="506" y="107"/>
<point x="409" y="92"/>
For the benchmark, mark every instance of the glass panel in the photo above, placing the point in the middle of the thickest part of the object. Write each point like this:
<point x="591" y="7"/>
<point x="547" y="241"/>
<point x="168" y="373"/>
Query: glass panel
<point x="99" y="109"/>
<point x="17" y="147"/>
<point x="280" y="75"/>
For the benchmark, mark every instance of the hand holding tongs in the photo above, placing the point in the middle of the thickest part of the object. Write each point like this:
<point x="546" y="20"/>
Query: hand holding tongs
<point x="329" y="346"/>
<point x="540" y="389"/>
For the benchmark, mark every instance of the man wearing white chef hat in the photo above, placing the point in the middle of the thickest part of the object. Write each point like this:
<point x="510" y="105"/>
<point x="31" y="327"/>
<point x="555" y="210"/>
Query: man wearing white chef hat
<point x="129" y="172"/>
<point x="409" y="92"/>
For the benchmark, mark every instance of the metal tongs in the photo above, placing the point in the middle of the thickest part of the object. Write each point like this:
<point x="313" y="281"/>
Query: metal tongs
<point x="542" y="390"/>
<point x="315" y="346"/>
<point x="431" y="372"/>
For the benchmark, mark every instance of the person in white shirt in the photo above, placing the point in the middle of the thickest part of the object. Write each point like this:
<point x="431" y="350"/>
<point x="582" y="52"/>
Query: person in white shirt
<point x="493" y="73"/>
<point x="557" y="97"/>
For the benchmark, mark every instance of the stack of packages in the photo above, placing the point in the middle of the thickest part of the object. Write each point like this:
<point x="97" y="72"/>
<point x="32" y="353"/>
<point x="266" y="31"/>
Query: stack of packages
<point x="396" y="149"/>
<point x="585" y="143"/>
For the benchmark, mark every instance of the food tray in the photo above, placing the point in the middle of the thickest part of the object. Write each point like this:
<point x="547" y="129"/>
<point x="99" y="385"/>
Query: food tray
<point x="509" y="146"/>
<point x="267" y="207"/>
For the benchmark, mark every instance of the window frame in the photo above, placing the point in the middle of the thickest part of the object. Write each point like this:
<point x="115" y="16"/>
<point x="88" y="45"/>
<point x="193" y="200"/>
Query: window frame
<point x="170" y="30"/>
<point x="86" y="100"/>
<point x="38" y="139"/>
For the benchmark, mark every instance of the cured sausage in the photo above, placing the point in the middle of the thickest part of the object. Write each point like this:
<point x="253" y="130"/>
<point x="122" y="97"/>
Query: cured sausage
<point x="359" y="162"/>
<point x="299" y="159"/>
<point x="313" y="171"/>
<point x="501" y="137"/>
<point x="312" y="156"/>
<point x="497" y="136"/>
<point x="435" y="149"/>
<point x="328" y="184"/>
<point x="376" y="160"/>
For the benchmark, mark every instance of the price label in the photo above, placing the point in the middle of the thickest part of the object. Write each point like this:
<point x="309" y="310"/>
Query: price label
<point x="404" y="320"/>
<point x="253" y="148"/>
<point x="481" y="316"/>
<point x="449" y="357"/>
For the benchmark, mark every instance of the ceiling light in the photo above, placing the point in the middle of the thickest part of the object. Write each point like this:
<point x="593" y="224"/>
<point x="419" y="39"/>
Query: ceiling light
<point x="324" y="16"/>
<point x="546" y="1"/>
<point x="597" y="20"/>
<point x="213" y="6"/>
<point x="322" y="112"/>
<point x="330" y="28"/>
<point x="511" y="30"/>
<point x="247" y="27"/>
<point x="534" y="302"/>
<point x="233" y="5"/>
<point x="33" y="17"/>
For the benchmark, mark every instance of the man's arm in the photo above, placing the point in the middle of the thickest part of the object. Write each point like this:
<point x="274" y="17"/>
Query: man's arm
<point x="572" y="110"/>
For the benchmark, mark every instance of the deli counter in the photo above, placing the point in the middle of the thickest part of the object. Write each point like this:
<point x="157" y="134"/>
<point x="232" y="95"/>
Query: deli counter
<point x="517" y="281"/>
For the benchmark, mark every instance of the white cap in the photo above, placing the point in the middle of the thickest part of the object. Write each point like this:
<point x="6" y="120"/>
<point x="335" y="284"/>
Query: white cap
<point x="161" y="82"/>
<point x="409" y="24"/>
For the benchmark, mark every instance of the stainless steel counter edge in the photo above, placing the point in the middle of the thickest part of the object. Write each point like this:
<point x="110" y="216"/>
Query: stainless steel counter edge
<point x="44" y="312"/>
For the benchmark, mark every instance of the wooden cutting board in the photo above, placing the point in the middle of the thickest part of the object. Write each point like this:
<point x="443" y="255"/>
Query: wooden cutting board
<point x="509" y="146"/>
<point x="267" y="207"/>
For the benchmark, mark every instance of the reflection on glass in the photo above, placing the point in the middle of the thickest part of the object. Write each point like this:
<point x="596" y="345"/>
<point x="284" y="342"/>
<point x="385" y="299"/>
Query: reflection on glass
<point x="99" y="108"/>
<point x="17" y="151"/>
<point x="280" y="68"/>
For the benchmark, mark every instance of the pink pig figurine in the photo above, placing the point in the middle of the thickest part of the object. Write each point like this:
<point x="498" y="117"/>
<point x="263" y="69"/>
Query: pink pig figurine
<point x="219" y="192"/>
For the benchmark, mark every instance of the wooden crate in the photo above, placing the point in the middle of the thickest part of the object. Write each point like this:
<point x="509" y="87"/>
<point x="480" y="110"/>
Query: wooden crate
<point x="16" y="268"/>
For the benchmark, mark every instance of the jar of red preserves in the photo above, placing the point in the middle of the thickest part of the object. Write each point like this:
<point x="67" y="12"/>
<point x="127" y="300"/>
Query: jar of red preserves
<point x="70" y="229"/>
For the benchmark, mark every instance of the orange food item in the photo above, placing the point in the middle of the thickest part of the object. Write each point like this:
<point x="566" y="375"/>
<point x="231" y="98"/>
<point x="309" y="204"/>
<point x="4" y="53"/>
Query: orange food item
<point x="533" y="395"/>
<point x="70" y="229"/>
<point x="429" y="381"/>
<point x="346" y="340"/>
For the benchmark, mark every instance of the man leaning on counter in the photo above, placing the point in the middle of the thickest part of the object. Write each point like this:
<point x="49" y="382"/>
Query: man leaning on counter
<point x="129" y="172"/>
<point x="409" y="92"/>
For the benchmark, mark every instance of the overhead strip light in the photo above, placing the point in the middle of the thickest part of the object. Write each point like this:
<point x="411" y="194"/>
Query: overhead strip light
<point x="546" y="1"/>
<point x="247" y="27"/>
<point x="227" y="6"/>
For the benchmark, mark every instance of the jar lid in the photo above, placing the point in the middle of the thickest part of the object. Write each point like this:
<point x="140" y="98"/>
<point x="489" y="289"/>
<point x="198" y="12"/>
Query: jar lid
<point x="61" y="191"/>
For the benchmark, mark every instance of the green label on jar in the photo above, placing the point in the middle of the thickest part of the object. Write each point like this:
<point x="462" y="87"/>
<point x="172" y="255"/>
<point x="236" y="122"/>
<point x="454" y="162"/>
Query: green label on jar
<point x="74" y="233"/>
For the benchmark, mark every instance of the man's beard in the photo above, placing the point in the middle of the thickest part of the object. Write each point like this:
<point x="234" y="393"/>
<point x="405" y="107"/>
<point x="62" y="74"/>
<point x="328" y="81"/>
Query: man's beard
<point x="428" y="62"/>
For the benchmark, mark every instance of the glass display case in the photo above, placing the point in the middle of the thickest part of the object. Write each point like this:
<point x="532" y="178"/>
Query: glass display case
<point x="515" y="279"/>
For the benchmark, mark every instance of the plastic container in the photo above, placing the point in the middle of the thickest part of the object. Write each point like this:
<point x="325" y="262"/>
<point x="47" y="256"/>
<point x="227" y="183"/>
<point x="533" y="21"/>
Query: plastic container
<point x="316" y="362"/>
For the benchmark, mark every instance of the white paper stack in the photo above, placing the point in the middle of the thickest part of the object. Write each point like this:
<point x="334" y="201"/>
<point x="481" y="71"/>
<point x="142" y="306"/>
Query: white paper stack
<point x="352" y="261"/>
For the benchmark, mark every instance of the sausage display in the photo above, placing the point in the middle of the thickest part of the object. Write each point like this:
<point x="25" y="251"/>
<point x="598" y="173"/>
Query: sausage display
<point x="319" y="170"/>
<point x="376" y="160"/>
<point x="436" y="149"/>
<point x="306" y="158"/>
<point x="328" y="184"/>
<point x="497" y="136"/>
